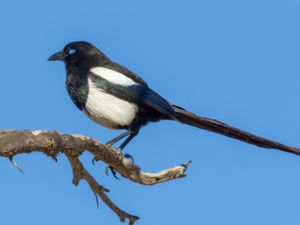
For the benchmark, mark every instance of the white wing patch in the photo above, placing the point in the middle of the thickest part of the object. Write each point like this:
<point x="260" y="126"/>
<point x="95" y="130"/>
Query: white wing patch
<point x="107" y="109"/>
<point x="113" y="76"/>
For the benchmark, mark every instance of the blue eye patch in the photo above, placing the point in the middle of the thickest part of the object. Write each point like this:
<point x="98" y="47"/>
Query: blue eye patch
<point x="72" y="51"/>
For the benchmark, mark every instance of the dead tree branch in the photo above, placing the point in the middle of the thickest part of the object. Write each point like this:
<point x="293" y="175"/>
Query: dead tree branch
<point x="51" y="143"/>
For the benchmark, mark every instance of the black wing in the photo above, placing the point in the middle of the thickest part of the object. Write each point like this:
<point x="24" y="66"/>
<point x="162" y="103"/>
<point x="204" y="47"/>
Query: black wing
<point x="123" y="70"/>
<point x="141" y="95"/>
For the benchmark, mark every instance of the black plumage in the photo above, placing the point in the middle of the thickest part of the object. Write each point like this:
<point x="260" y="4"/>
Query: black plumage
<point x="117" y="98"/>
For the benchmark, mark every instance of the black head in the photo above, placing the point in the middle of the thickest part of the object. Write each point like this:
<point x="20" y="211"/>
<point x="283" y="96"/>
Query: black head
<point x="79" y="53"/>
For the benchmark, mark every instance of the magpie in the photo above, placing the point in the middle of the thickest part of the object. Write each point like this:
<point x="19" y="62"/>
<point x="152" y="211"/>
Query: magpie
<point x="115" y="97"/>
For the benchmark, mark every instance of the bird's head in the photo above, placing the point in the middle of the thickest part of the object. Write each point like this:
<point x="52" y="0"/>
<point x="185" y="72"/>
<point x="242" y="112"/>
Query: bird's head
<point x="79" y="53"/>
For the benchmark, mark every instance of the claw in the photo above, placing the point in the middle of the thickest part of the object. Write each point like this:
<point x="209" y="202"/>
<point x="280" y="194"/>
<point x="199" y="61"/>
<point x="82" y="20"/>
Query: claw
<point x="107" y="170"/>
<point x="95" y="159"/>
<point x="113" y="172"/>
<point x="128" y="156"/>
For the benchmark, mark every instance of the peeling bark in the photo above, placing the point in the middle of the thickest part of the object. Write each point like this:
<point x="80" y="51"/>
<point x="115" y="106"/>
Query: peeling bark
<point x="51" y="143"/>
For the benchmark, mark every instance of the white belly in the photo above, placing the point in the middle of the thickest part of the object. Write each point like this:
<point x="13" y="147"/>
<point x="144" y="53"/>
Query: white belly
<point x="108" y="110"/>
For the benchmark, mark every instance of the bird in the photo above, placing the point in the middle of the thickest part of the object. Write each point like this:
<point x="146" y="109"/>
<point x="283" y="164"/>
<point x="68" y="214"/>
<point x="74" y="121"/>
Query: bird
<point x="115" y="97"/>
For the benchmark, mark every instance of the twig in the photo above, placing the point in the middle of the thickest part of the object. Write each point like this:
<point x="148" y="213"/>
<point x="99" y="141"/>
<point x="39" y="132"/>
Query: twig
<point x="80" y="173"/>
<point x="15" y="164"/>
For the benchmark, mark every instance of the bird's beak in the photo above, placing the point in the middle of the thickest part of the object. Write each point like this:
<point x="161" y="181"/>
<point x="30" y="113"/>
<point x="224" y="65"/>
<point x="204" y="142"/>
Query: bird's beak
<point x="57" y="56"/>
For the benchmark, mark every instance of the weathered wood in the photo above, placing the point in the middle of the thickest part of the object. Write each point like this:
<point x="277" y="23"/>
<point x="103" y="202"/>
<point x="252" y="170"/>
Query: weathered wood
<point x="51" y="143"/>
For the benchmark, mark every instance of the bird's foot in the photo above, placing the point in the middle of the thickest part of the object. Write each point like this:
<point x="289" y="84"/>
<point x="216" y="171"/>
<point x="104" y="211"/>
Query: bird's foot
<point x="118" y="150"/>
<point x="112" y="170"/>
<point x="129" y="157"/>
<point x="95" y="159"/>
<point x="109" y="168"/>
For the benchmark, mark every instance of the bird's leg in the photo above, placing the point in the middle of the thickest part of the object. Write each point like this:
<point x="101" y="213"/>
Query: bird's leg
<point x="132" y="134"/>
<point x="111" y="142"/>
<point x="122" y="146"/>
<point x="118" y="138"/>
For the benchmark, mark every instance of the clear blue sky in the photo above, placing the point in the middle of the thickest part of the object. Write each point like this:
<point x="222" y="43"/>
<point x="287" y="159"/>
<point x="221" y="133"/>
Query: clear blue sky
<point x="237" y="61"/>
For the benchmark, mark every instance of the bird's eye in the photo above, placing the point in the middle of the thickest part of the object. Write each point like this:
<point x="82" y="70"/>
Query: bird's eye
<point x="71" y="51"/>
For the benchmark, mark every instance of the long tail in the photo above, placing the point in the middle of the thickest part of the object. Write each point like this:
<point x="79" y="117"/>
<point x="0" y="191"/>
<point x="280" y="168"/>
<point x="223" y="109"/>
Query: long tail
<point x="224" y="129"/>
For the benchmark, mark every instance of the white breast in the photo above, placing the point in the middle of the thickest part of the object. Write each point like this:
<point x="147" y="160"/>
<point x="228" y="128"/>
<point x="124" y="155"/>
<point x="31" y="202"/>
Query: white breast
<point x="107" y="109"/>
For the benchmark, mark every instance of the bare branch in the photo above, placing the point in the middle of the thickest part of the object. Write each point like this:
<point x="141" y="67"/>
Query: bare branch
<point x="51" y="143"/>
<point x="79" y="172"/>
